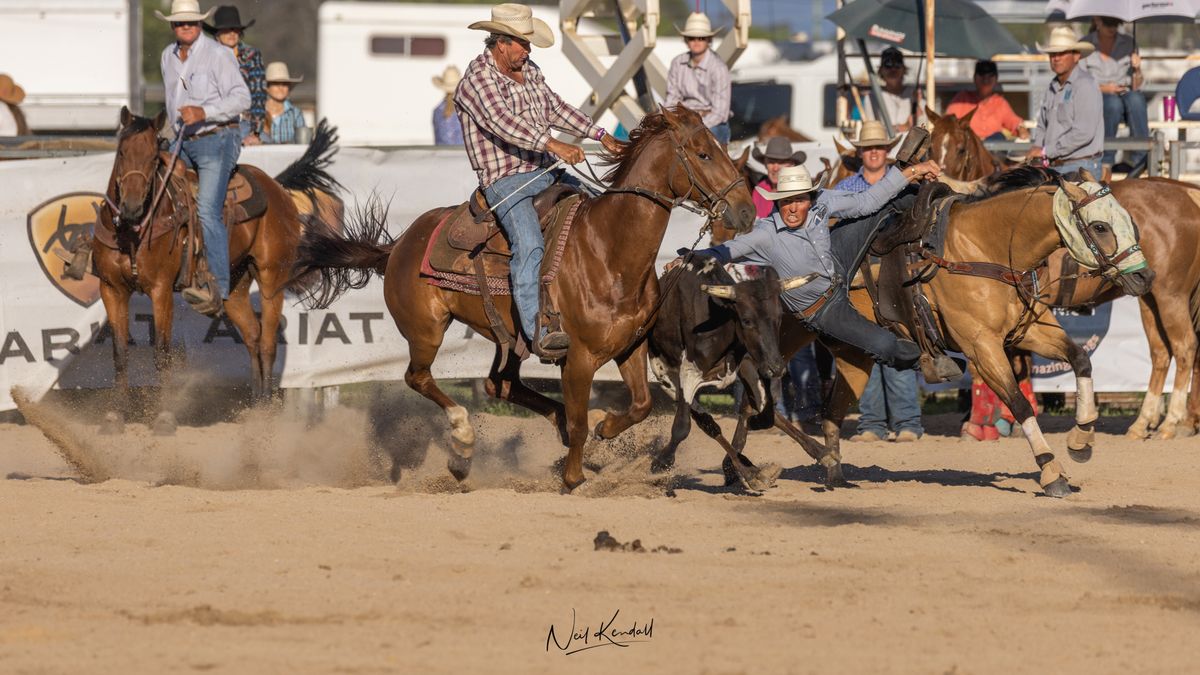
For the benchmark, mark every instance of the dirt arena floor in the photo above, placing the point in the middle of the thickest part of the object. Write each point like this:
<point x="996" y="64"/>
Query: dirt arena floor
<point x="262" y="545"/>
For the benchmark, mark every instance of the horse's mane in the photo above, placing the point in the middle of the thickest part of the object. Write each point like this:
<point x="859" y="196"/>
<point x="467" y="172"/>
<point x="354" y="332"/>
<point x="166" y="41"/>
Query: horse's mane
<point x="1012" y="180"/>
<point x="652" y="126"/>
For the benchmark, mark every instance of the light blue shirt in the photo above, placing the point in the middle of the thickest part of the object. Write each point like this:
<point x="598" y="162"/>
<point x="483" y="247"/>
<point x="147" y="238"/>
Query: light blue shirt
<point x="210" y="79"/>
<point x="1071" y="118"/>
<point x="799" y="251"/>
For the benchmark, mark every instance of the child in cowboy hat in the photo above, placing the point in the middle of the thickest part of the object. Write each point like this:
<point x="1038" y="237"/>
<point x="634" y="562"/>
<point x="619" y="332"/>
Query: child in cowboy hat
<point x="227" y="28"/>
<point x="447" y="130"/>
<point x="284" y="120"/>
<point x="776" y="156"/>
<point x="699" y="79"/>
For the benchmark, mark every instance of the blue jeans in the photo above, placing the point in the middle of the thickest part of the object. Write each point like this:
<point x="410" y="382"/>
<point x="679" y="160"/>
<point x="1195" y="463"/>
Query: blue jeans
<point x="1093" y="165"/>
<point x="806" y="383"/>
<point x="721" y="132"/>
<point x="890" y="400"/>
<point x="214" y="157"/>
<point x="1131" y="107"/>
<point x="520" y="222"/>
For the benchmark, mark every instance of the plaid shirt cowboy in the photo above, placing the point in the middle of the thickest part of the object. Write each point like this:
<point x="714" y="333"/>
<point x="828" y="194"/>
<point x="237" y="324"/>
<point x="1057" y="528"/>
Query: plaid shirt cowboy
<point x="506" y="124"/>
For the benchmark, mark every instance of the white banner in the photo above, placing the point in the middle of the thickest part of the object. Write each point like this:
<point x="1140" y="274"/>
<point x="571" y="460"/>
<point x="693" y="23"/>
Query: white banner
<point x="54" y="332"/>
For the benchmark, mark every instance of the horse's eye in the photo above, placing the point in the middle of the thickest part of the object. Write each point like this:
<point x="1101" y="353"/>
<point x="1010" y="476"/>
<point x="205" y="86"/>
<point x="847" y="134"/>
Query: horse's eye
<point x="1099" y="227"/>
<point x="703" y="156"/>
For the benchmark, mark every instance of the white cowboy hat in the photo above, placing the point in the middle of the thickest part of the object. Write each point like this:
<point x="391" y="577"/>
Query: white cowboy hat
<point x="1064" y="39"/>
<point x="697" y="25"/>
<point x="872" y="134"/>
<point x="517" y="21"/>
<point x="793" y="180"/>
<point x="277" y="71"/>
<point x="184" y="10"/>
<point x="448" y="80"/>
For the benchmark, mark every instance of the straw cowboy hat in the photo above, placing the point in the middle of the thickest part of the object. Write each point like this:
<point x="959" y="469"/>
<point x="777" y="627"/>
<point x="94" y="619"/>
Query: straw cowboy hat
<point x="225" y="18"/>
<point x="697" y="25"/>
<point x="277" y="71"/>
<point x="872" y="135"/>
<point x="517" y="21"/>
<point x="10" y="92"/>
<point x="1064" y="39"/>
<point x="448" y="80"/>
<point x="779" y="149"/>
<point x="184" y="10"/>
<point x="793" y="180"/>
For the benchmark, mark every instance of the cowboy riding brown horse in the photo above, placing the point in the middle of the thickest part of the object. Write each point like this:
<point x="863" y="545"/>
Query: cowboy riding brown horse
<point x="148" y="241"/>
<point x="606" y="288"/>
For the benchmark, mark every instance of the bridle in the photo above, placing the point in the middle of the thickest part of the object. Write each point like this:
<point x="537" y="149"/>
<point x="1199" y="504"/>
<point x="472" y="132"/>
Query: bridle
<point x="1108" y="262"/>
<point x="139" y="230"/>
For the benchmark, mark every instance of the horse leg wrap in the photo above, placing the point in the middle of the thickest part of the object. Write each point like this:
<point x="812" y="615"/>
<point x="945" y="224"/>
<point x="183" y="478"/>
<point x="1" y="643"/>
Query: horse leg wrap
<point x="1082" y="436"/>
<point x="1051" y="469"/>
<point x="460" y="426"/>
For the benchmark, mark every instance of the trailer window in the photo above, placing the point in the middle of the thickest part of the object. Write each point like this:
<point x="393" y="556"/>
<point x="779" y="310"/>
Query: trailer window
<point x="408" y="45"/>
<point x="753" y="103"/>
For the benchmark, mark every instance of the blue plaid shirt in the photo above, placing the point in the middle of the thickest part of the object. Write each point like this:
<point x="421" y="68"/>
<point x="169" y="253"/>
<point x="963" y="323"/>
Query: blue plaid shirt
<point x="855" y="183"/>
<point x="283" y="128"/>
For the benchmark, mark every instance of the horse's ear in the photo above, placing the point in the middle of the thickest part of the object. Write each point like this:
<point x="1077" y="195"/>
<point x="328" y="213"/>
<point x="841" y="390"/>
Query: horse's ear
<point x="126" y="116"/>
<point x="965" y="120"/>
<point x="740" y="162"/>
<point x="1087" y="177"/>
<point x="1074" y="192"/>
<point x="932" y="116"/>
<point x="842" y="149"/>
<point x="160" y="120"/>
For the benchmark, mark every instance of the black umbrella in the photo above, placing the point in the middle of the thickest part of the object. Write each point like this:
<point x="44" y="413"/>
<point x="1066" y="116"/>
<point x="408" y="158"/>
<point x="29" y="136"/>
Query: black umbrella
<point x="961" y="27"/>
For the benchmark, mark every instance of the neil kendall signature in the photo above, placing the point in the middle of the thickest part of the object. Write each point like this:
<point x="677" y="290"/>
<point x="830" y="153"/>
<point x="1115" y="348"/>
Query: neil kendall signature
<point x="609" y="634"/>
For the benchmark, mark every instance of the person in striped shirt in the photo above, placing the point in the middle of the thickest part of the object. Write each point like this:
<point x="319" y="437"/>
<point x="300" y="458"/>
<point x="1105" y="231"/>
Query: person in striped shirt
<point x="508" y="113"/>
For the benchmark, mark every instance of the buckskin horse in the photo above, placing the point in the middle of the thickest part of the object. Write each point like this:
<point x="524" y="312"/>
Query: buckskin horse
<point x="606" y="288"/>
<point x="1167" y="214"/>
<point x="983" y="308"/>
<point x="142" y="241"/>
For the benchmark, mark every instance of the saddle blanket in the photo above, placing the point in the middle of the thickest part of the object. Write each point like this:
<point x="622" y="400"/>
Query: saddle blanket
<point x="449" y="264"/>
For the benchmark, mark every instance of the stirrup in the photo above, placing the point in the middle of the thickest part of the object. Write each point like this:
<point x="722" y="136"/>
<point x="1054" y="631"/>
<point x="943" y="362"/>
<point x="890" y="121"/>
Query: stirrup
<point x="552" y="346"/>
<point x="939" y="368"/>
<point x="78" y="264"/>
<point x="204" y="297"/>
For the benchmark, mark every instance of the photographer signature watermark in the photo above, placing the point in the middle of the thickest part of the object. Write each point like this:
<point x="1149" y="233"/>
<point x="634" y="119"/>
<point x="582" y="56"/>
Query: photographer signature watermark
<point x="609" y="634"/>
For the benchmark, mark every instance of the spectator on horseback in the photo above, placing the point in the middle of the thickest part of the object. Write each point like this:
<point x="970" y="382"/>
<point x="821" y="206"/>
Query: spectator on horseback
<point x="1117" y="67"/>
<point x="1070" y="125"/>
<point x="898" y="98"/>
<point x="206" y="92"/>
<point x="508" y="113"/>
<point x="777" y="155"/>
<point x="227" y="28"/>
<point x="447" y="130"/>
<point x="890" y="400"/>
<point x="795" y="240"/>
<point x="994" y="118"/>
<point x="699" y="79"/>
<point x="284" y="119"/>
<point x="12" y="120"/>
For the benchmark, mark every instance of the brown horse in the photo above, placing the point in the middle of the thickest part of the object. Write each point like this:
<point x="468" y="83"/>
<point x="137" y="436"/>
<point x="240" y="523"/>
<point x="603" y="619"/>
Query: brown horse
<point x="1014" y="229"/>
<point x="778" y="126"/>
<point x="1167" y="214"/>
<point x="261" y="250"/>
<point x="957" y="149"/>
<point x="606" y="289"/>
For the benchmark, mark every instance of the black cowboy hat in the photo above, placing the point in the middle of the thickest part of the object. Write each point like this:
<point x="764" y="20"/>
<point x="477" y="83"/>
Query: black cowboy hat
<point x="227" y="17"/>
<point x="779" y="149"/>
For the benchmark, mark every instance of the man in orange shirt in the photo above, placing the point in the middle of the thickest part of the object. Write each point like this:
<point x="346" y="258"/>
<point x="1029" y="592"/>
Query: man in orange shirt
<point x="993" y="114"/>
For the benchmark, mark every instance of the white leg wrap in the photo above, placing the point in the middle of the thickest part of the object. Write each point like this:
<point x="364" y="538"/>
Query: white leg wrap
<point x="460" y="425"/>
<point x="1085" y="401"/>
<point x="1033" y="434"/>
<point x="1177" y="408"/>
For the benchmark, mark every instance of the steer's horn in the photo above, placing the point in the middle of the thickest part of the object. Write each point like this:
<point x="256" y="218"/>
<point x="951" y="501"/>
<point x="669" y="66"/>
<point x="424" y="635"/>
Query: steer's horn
<point x="726" y="292"/>
<point x="796" y="282"/>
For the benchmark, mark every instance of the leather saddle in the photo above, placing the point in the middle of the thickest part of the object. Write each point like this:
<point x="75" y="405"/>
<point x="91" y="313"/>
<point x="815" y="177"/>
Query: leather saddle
<point x="471" y="230"/>
<point x="244" y="197"/>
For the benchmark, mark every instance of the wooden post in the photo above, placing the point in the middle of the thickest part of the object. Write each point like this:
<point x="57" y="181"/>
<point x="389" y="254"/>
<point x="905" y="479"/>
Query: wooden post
<point x="930" y="85"/>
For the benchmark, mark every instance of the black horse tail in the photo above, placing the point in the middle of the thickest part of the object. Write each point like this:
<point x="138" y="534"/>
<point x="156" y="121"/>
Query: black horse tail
<point x="329" y="263"/>
<point x="309" y="173"/>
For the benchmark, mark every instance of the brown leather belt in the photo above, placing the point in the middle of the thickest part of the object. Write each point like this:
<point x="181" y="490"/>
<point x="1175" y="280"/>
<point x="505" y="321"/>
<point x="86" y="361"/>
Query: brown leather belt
<point x="1060" y="162"/>
<point x="215" y="129"/>
<point x="812" y="309"/>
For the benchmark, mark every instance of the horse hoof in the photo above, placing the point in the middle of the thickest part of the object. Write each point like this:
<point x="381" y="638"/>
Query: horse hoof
<point x="1137" y="434"/>
<point x="1164" y="434"/>
<point x="662" y="464"/>
<point x="396" y="472"/>
<point x="596" y="432"/>
<point x="114" y="423"/>
<point x="1058" y="489"/>
<point x="459" y="467"/>
<point x="1082" y="455"/>
<point x="164" y="425"/>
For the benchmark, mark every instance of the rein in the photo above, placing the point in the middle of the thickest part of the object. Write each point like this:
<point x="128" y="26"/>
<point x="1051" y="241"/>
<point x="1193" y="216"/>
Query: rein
<point x="140" y="228"/>
<point x="1108" y="263"/>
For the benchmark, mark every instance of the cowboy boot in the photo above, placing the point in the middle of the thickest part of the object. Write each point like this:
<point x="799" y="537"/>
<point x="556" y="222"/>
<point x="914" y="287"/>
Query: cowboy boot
<point x="80" y="262"/>
<point x="203" y="295"/>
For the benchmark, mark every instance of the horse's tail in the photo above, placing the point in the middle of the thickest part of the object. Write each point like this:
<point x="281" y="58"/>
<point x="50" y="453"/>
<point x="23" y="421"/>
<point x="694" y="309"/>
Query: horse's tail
<point x="309" y="173"/>
<point x="329" y="263"/>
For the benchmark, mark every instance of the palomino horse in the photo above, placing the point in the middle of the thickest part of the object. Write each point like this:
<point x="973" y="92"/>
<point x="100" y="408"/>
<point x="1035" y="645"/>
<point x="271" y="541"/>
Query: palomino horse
<point x="1167" y="214"/>
<point x="1013" y="229"/>
<point x="606" y="288"/>
<point x="261" y="249"/>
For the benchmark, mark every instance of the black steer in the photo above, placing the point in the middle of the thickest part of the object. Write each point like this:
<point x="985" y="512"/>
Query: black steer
<point x="712" y="330"/>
